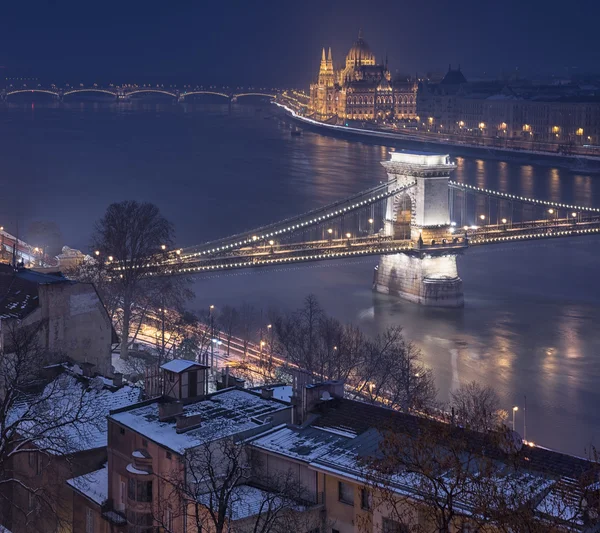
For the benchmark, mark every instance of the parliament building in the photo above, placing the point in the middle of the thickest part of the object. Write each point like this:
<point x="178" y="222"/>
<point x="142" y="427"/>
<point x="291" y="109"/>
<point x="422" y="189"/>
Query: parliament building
<point x="361" y="89"/>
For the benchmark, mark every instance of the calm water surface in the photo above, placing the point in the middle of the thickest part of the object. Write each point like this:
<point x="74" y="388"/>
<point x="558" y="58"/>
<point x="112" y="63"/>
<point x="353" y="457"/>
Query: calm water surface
<point x="530" y="322"/>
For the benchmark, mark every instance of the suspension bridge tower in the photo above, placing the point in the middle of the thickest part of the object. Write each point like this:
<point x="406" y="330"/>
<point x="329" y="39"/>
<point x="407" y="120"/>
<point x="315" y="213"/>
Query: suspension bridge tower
<point x="427" y="274"/>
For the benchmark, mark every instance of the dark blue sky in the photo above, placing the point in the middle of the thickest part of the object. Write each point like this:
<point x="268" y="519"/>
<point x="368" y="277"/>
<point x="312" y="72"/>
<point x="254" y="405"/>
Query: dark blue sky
<point x="265" y="42"/>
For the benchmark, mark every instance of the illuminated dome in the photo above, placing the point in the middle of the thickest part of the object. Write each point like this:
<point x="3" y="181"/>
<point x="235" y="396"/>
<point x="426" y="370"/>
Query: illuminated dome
<point x="360" y="53"/>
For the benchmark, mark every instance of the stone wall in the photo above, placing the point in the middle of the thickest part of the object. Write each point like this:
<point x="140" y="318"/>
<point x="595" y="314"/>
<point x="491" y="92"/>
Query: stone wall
<point x="422" y="279"/>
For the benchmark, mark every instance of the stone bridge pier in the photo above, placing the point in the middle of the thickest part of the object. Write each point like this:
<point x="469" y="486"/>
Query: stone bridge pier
<point x="427" y="274"/>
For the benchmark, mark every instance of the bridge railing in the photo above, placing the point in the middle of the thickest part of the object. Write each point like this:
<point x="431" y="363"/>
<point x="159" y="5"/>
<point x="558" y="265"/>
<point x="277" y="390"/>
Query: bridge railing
<point x="301" y="222"/>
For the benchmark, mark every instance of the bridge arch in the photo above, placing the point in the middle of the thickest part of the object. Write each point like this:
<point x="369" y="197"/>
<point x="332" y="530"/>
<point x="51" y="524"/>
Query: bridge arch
<point x="267" y="95"/>
<point x="78" y="91"/>
<point x="194" y="93"/>
<point x="150" y="91"/>
<point x="25" y="91"/>
<point x="402" y="215"/>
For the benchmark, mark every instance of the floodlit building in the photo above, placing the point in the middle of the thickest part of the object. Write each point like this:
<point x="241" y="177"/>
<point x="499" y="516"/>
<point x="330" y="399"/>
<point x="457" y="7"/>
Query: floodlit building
<point x="515" y="110"/>
<point x="360" y="89"/>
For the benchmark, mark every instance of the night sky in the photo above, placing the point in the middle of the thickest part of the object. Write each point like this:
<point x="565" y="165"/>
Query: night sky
<point x="278" y="43"/>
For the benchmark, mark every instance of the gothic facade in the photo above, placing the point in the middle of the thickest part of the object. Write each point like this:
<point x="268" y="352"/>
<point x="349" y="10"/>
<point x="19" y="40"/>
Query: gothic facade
<point x="361" y="89"/>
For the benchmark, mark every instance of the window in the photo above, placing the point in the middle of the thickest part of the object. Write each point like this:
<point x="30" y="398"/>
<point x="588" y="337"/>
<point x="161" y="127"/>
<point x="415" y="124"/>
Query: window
<point x="139" y="491"/>
<point x="144" y="443"/>
<point x="122" y="494"/>
<point x="391" y="526"/>
<point x="122" y="431"/>
<point x="169" y="455"/>
<point x="89" y="520"/>
<point x="345" y="493"/>
<point x="365" y="499"/>
<point x="335" y="530"/>
<point x="169" y="519"/>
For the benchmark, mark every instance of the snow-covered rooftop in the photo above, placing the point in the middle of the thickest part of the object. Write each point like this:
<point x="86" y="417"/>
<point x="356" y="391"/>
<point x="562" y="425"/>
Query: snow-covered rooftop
<point x="74" y="409"/>
<point x="306" y="444"/>
<point x="222" y="414"/>
<point x="179" y="365"/>
<point x="93" y="485"/>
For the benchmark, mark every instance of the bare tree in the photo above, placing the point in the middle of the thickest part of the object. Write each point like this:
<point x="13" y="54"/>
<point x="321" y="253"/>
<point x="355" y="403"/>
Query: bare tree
<point x="228" y="320"/>
<point x="222" y="494"/>
<point x="247" y="325"/>
<point x="386" y="370"/>
<point x="130" y="233"/>
<point x="477" y="407"/>
<point x="40" y="420"/>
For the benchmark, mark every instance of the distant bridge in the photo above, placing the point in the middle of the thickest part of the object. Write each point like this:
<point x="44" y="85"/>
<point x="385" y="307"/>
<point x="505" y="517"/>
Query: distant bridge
<point x="125" y="93"/>
<point x="417" y="221"/>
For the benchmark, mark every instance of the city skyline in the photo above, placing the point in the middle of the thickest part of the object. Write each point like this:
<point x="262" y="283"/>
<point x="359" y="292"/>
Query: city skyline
<point x="279" y="43"/>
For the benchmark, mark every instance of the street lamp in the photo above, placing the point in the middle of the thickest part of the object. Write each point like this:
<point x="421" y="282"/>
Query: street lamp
<point x="370" y="221"/>
<point x="514" y="411"/>
<point x="482" y="217"/>
<point x="503" y="221"/>
<point x="348" y="235"/>
<point x="163" y="246"/>
<point x="97" y="252"/>
<point x="110" y="257"/>
<point x="212" y="335"/>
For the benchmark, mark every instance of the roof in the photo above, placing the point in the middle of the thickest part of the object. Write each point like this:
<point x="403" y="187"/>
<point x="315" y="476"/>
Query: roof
<point x="224" y="413"/>
<point x="360" y="50"/>
<point x="306" y="444"/>
<point x="181" y="365"/>
<point x="64" y="396"/>
<point x="453" y="77"/>
<point x="19" y="290"/>
<point x="358" y="417"/>
<point x="93" y="485"/>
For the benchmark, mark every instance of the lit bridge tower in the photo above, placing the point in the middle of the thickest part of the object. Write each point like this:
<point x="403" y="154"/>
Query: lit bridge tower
<point x="427" y="274"/>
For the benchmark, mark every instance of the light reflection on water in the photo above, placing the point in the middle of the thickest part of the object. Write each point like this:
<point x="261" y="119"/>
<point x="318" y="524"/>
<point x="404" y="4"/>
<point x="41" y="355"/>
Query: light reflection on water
<point x="529" y="326"/>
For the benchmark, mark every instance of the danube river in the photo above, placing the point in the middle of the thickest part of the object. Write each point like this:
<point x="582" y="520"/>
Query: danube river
<point x="530" y="325"/>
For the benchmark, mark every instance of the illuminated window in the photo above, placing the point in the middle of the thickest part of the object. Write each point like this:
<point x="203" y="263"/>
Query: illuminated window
<point x="579" y="131"/>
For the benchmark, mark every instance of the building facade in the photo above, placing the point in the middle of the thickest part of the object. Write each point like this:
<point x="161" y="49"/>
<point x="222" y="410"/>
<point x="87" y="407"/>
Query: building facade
<point x="361" y="89"/>
<point x="517" y="111"/>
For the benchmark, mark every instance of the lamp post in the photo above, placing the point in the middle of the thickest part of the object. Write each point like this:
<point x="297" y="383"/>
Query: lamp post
<point x="212" y="336"/>
<point x="270" y="328"/>
<point x="514" y="411"/>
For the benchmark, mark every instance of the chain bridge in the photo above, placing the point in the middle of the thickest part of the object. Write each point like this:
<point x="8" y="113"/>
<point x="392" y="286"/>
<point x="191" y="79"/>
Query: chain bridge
<point x="417" y="221"/>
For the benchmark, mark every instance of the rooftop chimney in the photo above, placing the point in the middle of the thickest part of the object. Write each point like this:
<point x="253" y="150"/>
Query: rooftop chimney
<point x="185" y="423"/>
<point x="267" y="393"/>
<point x="168" y="410"/>
<point x="117" y="379"/>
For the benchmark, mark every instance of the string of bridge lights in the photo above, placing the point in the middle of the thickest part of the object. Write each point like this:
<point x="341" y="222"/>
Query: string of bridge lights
<point x="528" y="236"/>
<point x="293" y="259"/>
<point x="305" y="224"/>
<point x="507" y="196"/>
